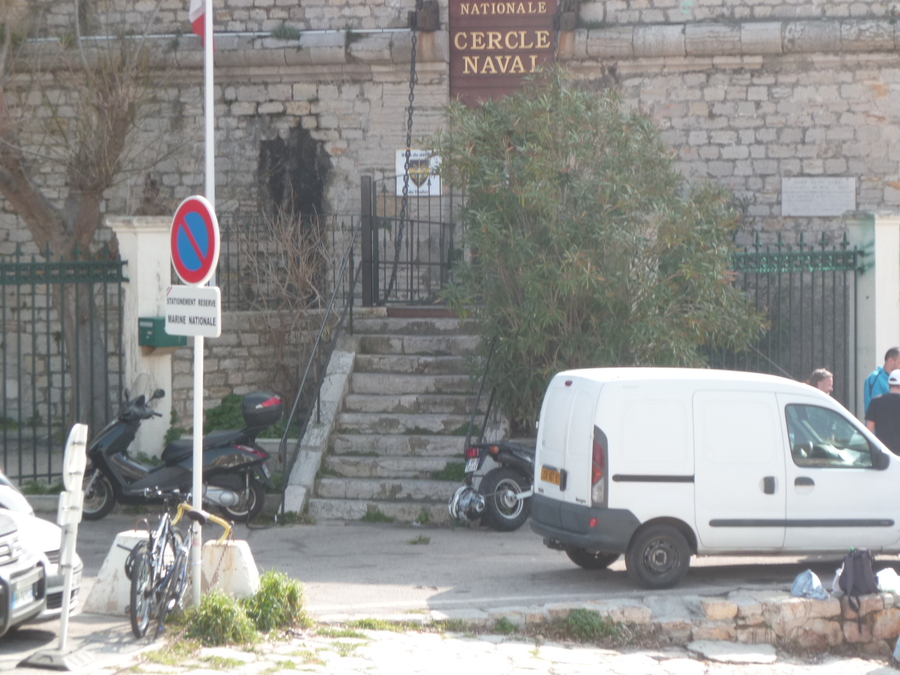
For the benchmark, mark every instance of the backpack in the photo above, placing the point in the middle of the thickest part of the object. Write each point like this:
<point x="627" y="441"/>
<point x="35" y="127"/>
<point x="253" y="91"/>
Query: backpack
<point x="857" y="578"/>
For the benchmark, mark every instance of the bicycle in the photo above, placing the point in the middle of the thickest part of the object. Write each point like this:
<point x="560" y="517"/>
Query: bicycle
<point x="158" y="567"/>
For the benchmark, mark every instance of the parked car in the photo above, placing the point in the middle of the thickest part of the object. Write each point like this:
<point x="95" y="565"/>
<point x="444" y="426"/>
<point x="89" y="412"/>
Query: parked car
<point x="22" y="578"/>
<point x="664" y="463"/>
<point x="44" y="538"/>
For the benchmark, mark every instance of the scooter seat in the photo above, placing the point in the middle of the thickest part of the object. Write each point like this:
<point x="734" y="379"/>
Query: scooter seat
<point x="177" y="451"/>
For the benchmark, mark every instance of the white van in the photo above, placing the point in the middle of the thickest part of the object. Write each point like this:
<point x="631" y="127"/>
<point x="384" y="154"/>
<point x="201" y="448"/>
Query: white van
<point x="664" y="463"/>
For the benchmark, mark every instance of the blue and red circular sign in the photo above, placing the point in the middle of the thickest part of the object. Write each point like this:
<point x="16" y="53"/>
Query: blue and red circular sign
<point x="195" y="241"/>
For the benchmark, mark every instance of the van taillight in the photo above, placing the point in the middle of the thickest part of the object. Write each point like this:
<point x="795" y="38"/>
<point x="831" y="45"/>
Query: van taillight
<point x="471" y="453"/>
<point x="598" y="469"/>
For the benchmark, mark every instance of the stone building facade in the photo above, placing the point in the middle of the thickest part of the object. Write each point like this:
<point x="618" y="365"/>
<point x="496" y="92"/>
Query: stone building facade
<point x="746" y="92"/>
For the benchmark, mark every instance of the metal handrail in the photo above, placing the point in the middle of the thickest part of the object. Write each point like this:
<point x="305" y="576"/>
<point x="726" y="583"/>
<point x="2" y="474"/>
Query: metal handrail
<point x="487" y="365"/>
<point x="354" y="275"/>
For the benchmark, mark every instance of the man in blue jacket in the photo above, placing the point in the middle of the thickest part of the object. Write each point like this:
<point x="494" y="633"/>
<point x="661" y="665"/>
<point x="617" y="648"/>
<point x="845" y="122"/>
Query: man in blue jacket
<point x="877" y="381"/>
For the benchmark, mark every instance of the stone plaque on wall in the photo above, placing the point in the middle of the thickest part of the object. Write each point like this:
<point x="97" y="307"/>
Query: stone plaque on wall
<point x="817" y="196"/>
<point x="494" y="44"/>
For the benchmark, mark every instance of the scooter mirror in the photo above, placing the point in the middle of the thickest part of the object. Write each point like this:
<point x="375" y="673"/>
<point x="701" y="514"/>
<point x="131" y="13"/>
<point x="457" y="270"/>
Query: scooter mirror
<point x="159" y="393"/>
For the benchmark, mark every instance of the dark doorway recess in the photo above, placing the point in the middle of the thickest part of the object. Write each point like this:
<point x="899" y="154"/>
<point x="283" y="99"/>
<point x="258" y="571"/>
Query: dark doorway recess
<point x="293" y="174"/>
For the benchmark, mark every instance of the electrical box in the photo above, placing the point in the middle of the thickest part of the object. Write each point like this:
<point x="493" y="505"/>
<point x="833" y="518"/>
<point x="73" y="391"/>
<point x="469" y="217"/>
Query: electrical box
<point x="152" y="333"/>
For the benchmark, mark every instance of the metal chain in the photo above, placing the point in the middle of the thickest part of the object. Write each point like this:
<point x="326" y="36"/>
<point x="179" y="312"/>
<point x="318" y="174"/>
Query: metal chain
<point x="404" y="200"/>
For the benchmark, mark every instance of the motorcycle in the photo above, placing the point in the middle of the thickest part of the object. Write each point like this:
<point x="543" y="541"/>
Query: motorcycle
<point x="502" y="499"/>
<point x="234" y="470"/>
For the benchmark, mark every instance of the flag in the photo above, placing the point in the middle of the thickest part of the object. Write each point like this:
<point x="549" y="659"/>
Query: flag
<point x="197" y="14"/>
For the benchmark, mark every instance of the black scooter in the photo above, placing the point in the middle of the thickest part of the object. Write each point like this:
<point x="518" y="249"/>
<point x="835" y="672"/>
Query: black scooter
<point x="501" y="500"/>
<point x="234" y="470"/>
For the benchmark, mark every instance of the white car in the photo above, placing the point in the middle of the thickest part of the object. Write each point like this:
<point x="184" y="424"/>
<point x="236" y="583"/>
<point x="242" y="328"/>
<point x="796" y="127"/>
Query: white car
<point x="42" y="537"/>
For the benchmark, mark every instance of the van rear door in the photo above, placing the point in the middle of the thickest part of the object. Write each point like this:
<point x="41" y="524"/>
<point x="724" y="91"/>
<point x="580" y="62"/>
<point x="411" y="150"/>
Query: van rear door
<point x="565" y="438"/>
<point x="740" y="490"/>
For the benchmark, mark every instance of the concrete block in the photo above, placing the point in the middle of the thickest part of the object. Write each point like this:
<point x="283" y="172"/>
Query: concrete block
<point x="717" y="609"/>
<point x="110" y="593"/>
<point x="712" y="39"/>
<point x="761" y="38"/>
<point x="229" y="567"/>
<point x="886" y="624"/>
<point x="659" y="41"/>
<point x="812" y="36"/>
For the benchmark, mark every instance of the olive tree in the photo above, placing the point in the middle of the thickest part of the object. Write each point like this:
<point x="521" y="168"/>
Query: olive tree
<point x="585" y="246"/>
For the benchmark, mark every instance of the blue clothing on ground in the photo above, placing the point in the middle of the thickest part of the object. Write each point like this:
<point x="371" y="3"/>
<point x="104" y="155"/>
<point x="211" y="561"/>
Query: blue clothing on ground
<point x="876" y="385"/>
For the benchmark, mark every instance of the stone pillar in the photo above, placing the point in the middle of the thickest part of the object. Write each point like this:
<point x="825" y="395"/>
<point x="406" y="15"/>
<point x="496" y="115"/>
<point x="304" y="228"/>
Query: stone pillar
<point x="878" y="291"/>
<point x="144" y="246"/>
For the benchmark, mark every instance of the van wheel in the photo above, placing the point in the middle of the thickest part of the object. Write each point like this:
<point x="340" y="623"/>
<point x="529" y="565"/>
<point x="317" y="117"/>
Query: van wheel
<point x="591" y="560"/>
<point x="658" y="557"/>
<point x="502" y="511"/>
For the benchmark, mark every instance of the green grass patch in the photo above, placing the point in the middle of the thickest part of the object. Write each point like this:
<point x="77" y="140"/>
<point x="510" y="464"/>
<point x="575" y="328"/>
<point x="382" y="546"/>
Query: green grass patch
<point x="220" y="620"/>
<point x="37" y="487"/>
<point x="175" y="653"/>
<point x="453" y="471"/>
<point x="376" y="516"/>
<point x="344" y="648"/>
<point x="330" y="632"/>
<point x="221" y="662"/>
<point x="381" y="624"/>
<point x="504" y="626"/>
<point x="424" y="517"/>
<point x="420" y="540"/>
<point x="310" y="658"/>
<point x="587" y="626"/>
<point x="278" y="604"/>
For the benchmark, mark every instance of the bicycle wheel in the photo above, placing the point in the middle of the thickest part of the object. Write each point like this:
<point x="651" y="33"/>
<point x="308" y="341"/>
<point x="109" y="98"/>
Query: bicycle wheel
<point x="141" y="590"/>
<point x="174" y="589"/>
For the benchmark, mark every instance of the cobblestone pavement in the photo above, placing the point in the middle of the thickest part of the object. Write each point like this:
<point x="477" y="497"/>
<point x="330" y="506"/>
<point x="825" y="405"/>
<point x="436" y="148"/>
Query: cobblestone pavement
<point x="395" y="653"/>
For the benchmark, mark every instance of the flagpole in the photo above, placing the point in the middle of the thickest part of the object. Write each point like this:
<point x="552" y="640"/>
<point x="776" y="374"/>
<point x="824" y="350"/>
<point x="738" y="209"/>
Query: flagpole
<point x="210" y="194"/>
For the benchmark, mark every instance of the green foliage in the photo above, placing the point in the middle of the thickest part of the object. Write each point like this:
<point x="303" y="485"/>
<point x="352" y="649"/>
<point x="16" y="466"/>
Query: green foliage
<point x="504" y="626"/>
<point x="588" y="626"/>
<point x="278" y="604"/>
<point x="36" y="487"/>
<point x="376" y="516"/>
<point x="174" y="432"/>
<point x="455" y="471"/>
<point x="419" y="541"/>
<point x="285" y="32"/>
<point x="424" y="517"/>
<point x="8" y="423"/>
<point x="226" y="415"/>
<point x="220" y="620"/>
<point x="588" y="247"/>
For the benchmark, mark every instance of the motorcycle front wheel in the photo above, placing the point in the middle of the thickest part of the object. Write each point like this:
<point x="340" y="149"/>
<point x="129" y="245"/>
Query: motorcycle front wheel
<point x="253" y="498"/>
<point x="99" y="498"/>
<point x="502" y="510"/>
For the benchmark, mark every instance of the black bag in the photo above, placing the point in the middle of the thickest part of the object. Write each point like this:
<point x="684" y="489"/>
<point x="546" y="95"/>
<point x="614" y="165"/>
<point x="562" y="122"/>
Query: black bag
<point x="857" y="578"/>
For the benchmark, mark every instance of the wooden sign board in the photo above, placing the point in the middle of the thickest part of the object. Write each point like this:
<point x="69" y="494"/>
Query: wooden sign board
<point x="494" y="44"/>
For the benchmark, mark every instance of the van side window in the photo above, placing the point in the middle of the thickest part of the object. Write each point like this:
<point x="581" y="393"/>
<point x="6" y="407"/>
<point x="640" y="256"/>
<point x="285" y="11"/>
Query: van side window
<point x="823" y="438"/>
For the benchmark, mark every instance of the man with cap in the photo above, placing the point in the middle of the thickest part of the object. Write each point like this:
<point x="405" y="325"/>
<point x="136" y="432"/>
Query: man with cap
<point x="883" y="415"/>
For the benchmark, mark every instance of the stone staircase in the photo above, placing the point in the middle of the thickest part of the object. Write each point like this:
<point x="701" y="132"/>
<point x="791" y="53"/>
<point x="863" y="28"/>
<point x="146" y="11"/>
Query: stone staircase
<point x="402" y="420"/>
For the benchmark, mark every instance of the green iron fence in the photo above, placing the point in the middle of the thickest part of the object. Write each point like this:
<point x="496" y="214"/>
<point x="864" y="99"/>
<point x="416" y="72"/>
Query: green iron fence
<point x="56" y="371"/>
<point x="808" y="293"/>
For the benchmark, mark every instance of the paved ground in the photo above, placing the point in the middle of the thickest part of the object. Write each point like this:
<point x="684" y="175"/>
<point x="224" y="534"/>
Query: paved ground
<point x="356" y="570"/>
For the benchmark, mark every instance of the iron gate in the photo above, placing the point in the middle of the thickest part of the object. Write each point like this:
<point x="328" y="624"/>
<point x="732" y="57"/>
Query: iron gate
<point x="407" y="253"/>
<point x="39" y="375"/>
<point x="808" y="293"/>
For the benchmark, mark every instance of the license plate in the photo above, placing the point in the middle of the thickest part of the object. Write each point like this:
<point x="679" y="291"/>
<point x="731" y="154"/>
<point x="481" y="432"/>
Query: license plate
<point x="550" y="475"/>
<point x="23" y="596"/>
<point x="471" y="464"/>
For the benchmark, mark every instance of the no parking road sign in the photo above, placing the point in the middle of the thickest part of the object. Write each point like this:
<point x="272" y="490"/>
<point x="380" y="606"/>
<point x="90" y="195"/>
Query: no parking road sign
<point x="195" y="241"/>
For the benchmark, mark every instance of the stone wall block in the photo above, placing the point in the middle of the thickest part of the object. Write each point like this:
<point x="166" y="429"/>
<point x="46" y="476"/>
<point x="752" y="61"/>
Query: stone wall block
<point x="659" y="41"/>
<point x="325" y="47"/>
<point x="611" y="43"/>
<point x="401" y="47"/>
<point x="715" y="630"/>
<point x="817" y="634"/>
<point x="371" y="48"/>
<point x="764" y="37"/>
<point x="592" y="12"/>
<point x="717" y="609"/>
<point x="812" y="36"/>
<point x="853" y="634"/>
<point x="677" y="630"/>
<point x="712" y="39"/>
<point x="886" y="624"/>
<point x="755" y="635"/>
<point x="625" y="611"/>
<point x="867" y="36"/>
<point x="867" y="605"/>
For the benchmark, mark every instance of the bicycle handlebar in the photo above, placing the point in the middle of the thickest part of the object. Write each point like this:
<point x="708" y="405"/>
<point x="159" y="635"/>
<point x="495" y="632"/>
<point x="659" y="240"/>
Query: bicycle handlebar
<point x="202" y="517"/>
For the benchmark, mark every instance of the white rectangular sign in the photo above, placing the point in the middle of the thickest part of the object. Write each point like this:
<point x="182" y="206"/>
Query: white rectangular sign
<point x="817" y="196"/>
<point x="194" y="310"/>
<point x="423" y="179"/>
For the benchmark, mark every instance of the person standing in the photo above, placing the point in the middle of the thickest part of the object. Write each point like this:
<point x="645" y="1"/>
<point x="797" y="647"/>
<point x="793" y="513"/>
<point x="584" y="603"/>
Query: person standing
<point x="877" y="381"/>
<point x="883" y="415"/>
<point x="822" y="379"/>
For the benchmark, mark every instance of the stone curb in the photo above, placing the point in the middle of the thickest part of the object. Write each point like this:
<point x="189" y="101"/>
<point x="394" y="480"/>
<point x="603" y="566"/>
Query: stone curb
<point x="741" y="616"/>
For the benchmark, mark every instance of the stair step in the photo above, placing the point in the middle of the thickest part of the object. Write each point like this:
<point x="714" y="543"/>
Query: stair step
<point x="351" y="466"/>
<point x="376" y="423"/>
<point x="457" y="404"/>
<point x="405" y="512"/>
<point x="385" y="489"/>
<point x="434" y="345"/>
<point x="412" y="364"/>
<point x="399" y="444"/>
<point x="400" y="326"/>
<point x="379" y="383"/>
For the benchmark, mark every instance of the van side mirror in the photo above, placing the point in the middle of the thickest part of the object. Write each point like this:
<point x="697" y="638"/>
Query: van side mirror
<point x="880" y="460"/>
